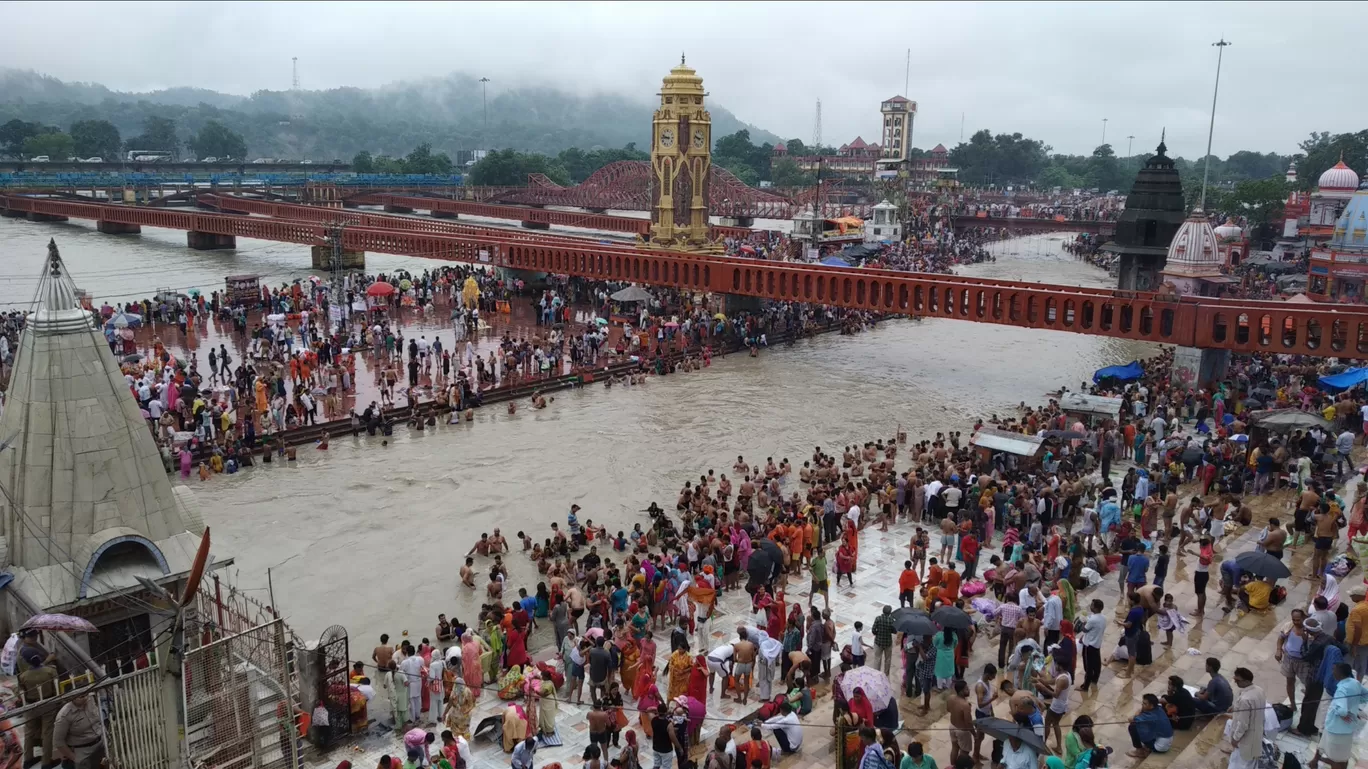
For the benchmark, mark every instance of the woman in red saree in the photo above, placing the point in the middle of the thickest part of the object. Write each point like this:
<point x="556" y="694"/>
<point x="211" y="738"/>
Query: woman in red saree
<point x="851" y="538"/>
<point x="698" y="679"/>
<point x="646" y="667"/>
<point x="631" y="662"/>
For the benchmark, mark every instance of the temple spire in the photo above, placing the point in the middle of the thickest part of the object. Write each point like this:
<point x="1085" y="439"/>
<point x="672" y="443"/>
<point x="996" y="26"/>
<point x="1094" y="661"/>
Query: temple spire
<point x="681" y="58"/>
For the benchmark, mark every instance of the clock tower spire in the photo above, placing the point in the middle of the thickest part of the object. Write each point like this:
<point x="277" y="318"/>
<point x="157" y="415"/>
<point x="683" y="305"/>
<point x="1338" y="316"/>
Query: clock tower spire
<point x="681" y="161"/>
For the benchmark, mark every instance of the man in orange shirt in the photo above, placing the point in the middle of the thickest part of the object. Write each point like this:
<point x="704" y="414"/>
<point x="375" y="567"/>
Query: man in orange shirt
<point x="907" y="585"/>
<point x="950" y="584"/>
<point x="933" y="574"/>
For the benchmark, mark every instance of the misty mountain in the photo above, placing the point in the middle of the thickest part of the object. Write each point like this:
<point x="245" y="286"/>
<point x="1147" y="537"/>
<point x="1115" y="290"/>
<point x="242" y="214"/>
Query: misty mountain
<point x="447" y="112"/>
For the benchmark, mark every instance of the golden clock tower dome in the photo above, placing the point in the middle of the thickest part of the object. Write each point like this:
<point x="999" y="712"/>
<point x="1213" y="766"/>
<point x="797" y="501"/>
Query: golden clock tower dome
<point x="681" y="160"/>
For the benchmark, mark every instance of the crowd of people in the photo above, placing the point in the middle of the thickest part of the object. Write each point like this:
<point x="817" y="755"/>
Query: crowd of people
<point x="1002" y="552"/>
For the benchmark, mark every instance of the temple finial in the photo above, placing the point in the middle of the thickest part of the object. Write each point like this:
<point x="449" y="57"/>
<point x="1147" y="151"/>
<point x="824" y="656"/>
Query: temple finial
<point x="681" y="58"/>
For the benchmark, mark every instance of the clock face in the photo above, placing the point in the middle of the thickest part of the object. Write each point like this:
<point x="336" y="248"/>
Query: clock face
<point x="700" y="138"/>
<point x="667" y="137"/>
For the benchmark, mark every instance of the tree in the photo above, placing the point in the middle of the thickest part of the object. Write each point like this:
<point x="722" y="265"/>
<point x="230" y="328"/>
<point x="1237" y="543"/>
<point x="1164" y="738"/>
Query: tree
<point x="1001" y="159"/>
<point x="509" y="167"/>
<point x="1324" y="151"/>
<point x="158" y="135"/>
<point x="14" y="133"/>
<point x="54" y="144"/>
<point x="1059" y="176"/>
<point x="1259" y="200"/>
<point x="362" y="163"/>
<point x="784" y="172"/>
<point x="581" y="165"/>
<point x="736" y="154"/>
<point x="217" y="140"/>
<point x="796" y="148"/>
<point x="423" y="161"/>
<point x="96" y="138"/>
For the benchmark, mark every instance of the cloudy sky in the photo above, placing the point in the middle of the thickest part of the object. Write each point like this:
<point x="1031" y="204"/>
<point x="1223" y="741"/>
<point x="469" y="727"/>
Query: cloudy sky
<point x="1050" y="71"/>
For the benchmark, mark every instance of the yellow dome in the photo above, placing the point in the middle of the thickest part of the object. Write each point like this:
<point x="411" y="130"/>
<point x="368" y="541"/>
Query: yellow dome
<point x="682" y="80"/>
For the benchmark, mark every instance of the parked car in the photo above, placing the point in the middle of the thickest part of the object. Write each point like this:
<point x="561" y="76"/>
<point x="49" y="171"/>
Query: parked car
<point x="40" y="159"/>
<point x="306" y="162"/>
<point x="260" y="161"/>
<point x="93" y="160"/>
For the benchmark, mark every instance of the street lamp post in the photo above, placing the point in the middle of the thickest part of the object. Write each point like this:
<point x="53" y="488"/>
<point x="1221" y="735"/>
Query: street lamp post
<point x="484" y="95"/>
<point x="1220" y="46"/>
<point x="1104" y="130"/>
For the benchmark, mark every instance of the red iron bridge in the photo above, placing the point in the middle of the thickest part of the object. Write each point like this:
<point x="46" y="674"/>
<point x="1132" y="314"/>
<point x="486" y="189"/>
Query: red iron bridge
<point x="1200" y="322"/>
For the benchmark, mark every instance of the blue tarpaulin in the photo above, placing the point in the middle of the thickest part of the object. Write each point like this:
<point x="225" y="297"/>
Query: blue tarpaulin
<point x="1345" y="379"/>
<point x="1126" y="373"/>
<point x="836" y="261"/>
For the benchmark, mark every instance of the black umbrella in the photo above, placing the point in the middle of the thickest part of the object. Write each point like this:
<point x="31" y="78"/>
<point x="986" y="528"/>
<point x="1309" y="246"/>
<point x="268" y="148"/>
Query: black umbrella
<point x="1072" y="435"/>
<point x="951" y="617"/>
<point x="1003" y="729"/>
<point x="913" y="622"/>
<point x="135" y="358"/>
<point x="760" y="566"/>
<point x="1262" y="565"/>
<point x="769" y="546"/>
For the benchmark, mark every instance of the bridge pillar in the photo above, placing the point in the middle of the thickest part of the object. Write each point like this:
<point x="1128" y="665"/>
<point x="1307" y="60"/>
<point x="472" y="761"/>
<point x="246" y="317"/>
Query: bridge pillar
<point x="598" y="210"/>
<point x="36" y="217"/>
<point x="735" y="303"/>
<point x="209" y="241"/>
<point x="117" y="228"/>
<point x="536" y="225"/>
<point x="1194" y="367"/>
<point x="737" y="221"/>
<point x="350" y="204"/>
<point x="321" y="258"/>
<point x="444" y="215"/>
<point x="393" y="209"/>
<point x="11" y="213"/>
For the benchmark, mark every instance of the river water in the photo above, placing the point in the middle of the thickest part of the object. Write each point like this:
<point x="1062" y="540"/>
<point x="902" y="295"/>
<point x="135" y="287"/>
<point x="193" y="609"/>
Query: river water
<point x="371" y="536"/>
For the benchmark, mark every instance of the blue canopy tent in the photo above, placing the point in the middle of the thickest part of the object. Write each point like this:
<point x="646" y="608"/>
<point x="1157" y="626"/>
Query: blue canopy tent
<point x="1345" y="379"/>
<point x="1129" y="372"/>
<point x="836" y="261"/>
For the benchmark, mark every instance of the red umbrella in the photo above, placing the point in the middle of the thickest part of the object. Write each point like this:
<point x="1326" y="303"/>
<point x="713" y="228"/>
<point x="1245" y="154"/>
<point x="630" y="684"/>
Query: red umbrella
<point x="380" y="288"/>
<point x="58" y="622"/>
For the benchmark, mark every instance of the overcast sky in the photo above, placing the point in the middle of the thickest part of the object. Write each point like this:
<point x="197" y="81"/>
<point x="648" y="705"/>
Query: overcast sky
<point x="1050" y="71"/>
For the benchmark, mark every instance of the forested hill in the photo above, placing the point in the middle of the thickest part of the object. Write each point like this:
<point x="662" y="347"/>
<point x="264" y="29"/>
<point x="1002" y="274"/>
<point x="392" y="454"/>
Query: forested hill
<point x="445" y="112"/>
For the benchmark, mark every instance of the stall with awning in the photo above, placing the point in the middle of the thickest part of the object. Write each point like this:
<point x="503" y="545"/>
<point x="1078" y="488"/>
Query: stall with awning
<point x="1090" y="409"/>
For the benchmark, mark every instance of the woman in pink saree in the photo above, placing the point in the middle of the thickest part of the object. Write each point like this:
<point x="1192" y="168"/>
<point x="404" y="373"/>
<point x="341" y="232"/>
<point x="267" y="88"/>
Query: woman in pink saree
<point x="742" y="542"/>
<point x="472" y="648"/>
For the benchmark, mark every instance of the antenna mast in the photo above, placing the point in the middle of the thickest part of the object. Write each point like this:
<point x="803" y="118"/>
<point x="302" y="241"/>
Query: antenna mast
<point x="817" y="128"/>
<point x="294" y="80"/>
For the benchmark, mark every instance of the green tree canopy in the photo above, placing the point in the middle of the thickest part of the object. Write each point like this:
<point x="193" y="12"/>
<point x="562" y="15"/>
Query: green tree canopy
<point x="736" y="154"/>
<point x="53" y="143"/>
<point x="158" y="135"/>
<point x="580" y="165"/>
<point x="1000" y="159"/>
<point x="784" y="172"/>
<point x="1259" y="200"/>
<point x="362" y="163"/>
<point x="1324" y="150"/>
<point x="216" y="140"/>
<point x="96" y="138"/>
<point x="422" y="160"/>
<point x="14" y="133"/>
<point x="510" y="167"/>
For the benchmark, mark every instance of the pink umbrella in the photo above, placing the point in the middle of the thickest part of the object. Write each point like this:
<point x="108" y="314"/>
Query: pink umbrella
<point x="64" y="623"/>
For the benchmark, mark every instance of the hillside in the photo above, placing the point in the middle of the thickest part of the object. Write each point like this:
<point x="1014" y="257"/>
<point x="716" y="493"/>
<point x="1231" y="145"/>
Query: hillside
<point x="446" y="112"/>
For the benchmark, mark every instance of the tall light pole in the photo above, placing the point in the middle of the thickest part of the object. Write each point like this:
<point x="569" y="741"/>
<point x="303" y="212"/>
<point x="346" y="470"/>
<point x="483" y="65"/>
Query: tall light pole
<point x="484" y="94"/>
<point x="1211" y="128"/>
<point x="1104" y="130"/>
<point x="1129" y="140"/>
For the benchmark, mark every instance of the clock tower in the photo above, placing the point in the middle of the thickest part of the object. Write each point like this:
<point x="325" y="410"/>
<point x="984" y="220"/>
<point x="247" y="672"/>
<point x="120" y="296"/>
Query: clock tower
<point x="681" y="161"/>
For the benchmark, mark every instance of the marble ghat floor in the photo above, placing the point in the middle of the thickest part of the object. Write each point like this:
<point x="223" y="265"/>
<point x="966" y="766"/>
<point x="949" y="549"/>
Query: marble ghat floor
<point x="1248" y="641"/>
